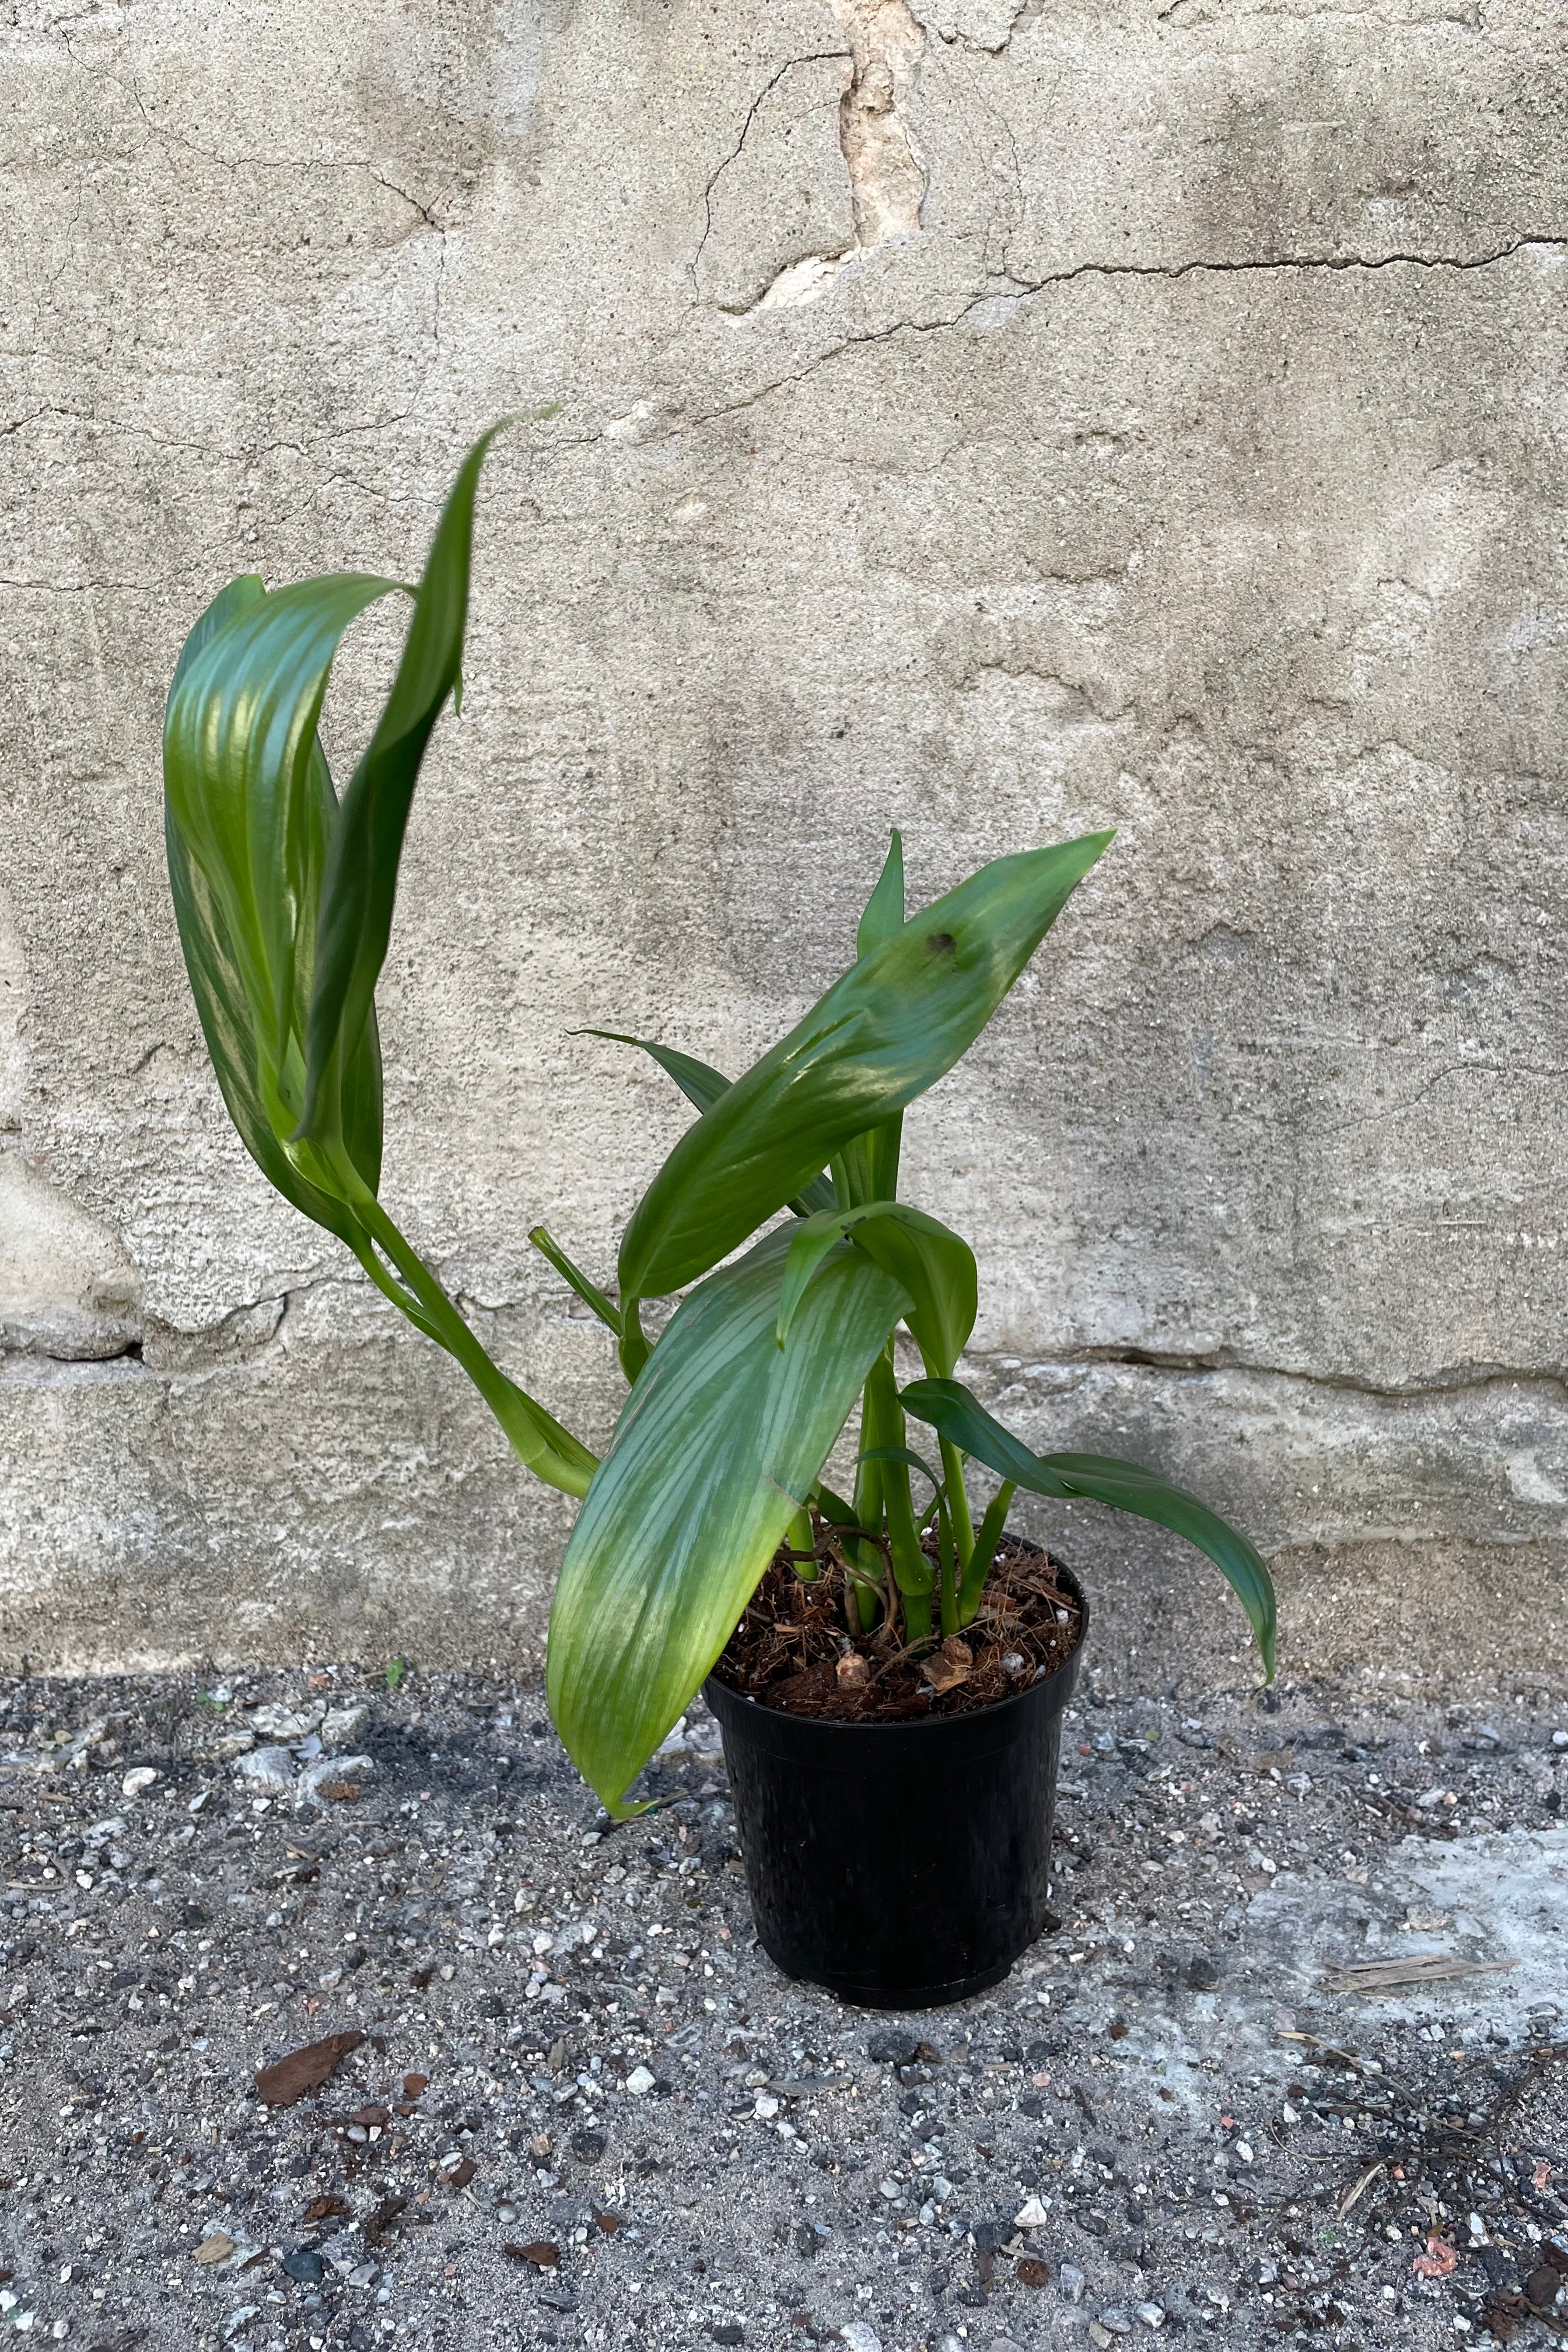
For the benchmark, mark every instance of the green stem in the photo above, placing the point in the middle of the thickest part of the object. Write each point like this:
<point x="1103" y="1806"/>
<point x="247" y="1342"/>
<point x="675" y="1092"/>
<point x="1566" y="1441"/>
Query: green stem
<point x="945" y="1566"/>
<point x="984" y="1553"/>
<point x="801" y="1538"/>
<point x="551" y="1452"/>
<point x="911" y="1569"/>
<point x="958" y="1502"/>
<point x="635" y="1351"/>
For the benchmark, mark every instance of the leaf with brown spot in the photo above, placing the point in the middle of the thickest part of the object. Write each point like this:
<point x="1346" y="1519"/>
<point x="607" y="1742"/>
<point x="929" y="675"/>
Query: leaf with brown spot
<point x="540" y="2253"/>
<point x="289" y="2081"/>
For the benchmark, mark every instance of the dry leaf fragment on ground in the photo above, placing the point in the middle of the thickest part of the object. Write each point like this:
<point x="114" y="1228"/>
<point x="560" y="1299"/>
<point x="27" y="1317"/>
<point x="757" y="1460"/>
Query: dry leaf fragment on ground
<point x="540" y="2253"/>
<point x="302" y="2071"/>
<point x="953" y="1664"/>
<point x="384" y="2215"/>
<point x="216" y="2248"/>
<point x="327" y="2209"/>
<point x="1353" y="2195"/>
<point x="1420" y="1968"/>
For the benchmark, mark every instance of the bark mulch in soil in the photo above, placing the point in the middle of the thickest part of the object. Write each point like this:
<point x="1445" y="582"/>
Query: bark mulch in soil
<point x="792" y="1651"/>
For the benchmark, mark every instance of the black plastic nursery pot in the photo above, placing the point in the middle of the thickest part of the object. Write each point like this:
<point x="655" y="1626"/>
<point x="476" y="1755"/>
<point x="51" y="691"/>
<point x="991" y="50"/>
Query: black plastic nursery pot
<point x="900" y="1864"/>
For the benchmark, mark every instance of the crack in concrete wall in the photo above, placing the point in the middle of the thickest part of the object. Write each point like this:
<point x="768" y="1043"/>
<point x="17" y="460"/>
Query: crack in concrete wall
<point x="887" y="173"/>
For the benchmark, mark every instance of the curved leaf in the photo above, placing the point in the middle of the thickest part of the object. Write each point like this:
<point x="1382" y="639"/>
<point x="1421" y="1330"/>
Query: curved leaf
<point x="932" y="1262"/>
<point x="254" y="831"/>
<point x="718" y="1446"/>
<point x="884" y="1032"/>
<point x="358" y="890"/>
<point x="247" y="789"/>
<point x="249" y="808"/>
<point x="959" y="1415"/>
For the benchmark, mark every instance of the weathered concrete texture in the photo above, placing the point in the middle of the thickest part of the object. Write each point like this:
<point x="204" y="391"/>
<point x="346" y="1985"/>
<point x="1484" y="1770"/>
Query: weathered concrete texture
<point x="998" y="421"/>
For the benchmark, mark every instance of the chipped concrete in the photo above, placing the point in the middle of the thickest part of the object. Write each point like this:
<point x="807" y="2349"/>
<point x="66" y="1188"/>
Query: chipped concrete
<point x="1168" y="437"/>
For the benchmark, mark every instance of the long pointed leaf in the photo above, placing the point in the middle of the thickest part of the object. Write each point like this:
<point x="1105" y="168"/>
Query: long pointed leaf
<point x="884" y="915"/>
<point x="248" y="807"/>
<point x="871" y="1170"/>
<point x="701" y="1083"/>
<point x="359" y="890"/>
<point x="245" y="785"/>
<point x="884" y="1032"/>
<point x="718" y="1446"/>
<point x="959" y="1415"/>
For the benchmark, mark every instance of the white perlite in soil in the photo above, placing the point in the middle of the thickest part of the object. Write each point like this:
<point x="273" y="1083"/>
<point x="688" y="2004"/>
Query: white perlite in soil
<point x="587" y="2112"/>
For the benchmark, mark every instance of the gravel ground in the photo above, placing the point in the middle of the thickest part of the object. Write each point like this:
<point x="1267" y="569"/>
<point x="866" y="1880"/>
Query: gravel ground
<point x="586" y="2111"/>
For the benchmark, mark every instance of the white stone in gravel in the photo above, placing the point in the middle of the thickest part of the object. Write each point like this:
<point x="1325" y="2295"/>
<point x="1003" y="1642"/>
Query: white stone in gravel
<point x="332" y="1772"/>
<point x="1004" y="2344"/>
<point x="1151" y="2314"/>
<point x="341" y="1726"/>
<point x="860" y="2336"/>
<point x="639" y="2082"/>
<point x="1559" y="1739"/>
<point x="1070" y="2280"/>
<point x="1031" y="2215"/>
<point x="266" y="1769"/>
<point x="274" y="1721"/>
<point x="143" y="1777"/>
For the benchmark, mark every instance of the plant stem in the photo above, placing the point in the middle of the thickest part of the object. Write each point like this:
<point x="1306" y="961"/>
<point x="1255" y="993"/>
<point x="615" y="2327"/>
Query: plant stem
<point x="634" y="1349"/>
<point x="551" y="1452"/>
<point x="911" y="1569"/>
<point x="984" y="1553"/>
<point x="801" y="1538"/>
<point x="948" y="1592"/>
<point x="958" y="1503"/>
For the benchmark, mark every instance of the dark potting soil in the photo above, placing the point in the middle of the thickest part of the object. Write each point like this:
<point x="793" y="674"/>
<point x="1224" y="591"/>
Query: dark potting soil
<point x="792" y="1651"/>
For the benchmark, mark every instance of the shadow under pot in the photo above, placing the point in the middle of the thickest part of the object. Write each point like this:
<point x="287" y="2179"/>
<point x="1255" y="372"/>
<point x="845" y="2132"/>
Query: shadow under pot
<point x="900" y="1864"/>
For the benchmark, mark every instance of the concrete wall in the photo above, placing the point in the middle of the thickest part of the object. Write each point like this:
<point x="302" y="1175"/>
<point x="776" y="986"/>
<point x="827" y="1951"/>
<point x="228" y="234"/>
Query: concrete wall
<point x="996" y="420"/>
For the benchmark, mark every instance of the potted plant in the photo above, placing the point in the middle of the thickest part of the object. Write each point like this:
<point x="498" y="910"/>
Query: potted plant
<point x="889" y="1675"/>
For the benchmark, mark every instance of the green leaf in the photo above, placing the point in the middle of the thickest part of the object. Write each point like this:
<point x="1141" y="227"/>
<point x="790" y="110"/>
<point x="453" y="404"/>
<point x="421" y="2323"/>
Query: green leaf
<point x="884" y="1032"/>
<point x="701" y="1083"/>
<point x="908" y="1456"/>
<point x="933" y="1263"/>
<point x="252" y="827"/>
<point x="959" y="1416"/>
<point x="884" y="915"/>
<point x="358" y="890"/>
<point x="718" y="1446"/>
<point x="248" y="807"/>
<point x="871" y="1161"/>
<point x="247" y="792"/>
